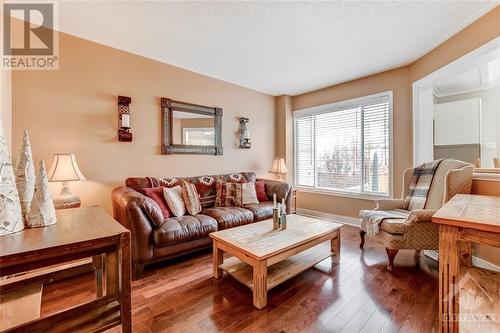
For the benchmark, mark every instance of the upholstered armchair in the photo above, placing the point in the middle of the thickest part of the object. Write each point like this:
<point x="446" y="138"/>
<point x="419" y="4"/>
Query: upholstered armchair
<point x="417" y="232"/>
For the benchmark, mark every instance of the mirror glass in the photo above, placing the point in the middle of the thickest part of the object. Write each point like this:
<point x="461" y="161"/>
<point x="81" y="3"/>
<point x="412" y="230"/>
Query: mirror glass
<point x="192" y="129"/>
<point x="466" y="115"/>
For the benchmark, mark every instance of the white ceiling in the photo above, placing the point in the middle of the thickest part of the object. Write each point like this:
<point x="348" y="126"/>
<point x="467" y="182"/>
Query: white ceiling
<point x="273" y="47"/>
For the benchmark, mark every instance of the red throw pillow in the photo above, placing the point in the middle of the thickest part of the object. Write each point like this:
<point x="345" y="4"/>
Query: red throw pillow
<point x="260" y="188"/>
<point x="156" y="193"/>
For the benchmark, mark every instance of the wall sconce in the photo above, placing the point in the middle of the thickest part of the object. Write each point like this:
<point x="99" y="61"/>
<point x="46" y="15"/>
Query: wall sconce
<point x="244" y="134"/>
<point x="124" y="134"/>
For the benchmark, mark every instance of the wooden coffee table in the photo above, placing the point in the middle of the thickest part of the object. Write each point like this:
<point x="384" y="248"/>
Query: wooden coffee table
<point x="263" y="258"/>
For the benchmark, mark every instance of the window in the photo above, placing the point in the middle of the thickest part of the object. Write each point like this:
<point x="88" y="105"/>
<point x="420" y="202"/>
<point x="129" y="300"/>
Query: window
<point x="345" y="147"/>
<point x="199" y="136"/>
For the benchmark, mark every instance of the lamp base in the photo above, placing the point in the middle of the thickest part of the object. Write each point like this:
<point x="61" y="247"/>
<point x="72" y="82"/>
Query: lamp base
<point x="67" y="201"/>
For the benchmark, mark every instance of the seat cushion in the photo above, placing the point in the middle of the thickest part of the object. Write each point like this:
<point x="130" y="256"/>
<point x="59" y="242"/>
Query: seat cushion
<point x="228" y="217"/>
<point x="261" y="211"/>
<point x="393" y="226"/>
<point x="185" y="228"/>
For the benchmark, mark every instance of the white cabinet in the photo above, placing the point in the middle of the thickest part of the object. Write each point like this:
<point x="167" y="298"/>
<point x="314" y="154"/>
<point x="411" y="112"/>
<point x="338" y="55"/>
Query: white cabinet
<point x="457" y="123"/>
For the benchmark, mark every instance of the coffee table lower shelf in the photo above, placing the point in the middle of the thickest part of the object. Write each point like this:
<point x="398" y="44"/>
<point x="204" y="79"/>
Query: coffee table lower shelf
<point x="279" y="272"/>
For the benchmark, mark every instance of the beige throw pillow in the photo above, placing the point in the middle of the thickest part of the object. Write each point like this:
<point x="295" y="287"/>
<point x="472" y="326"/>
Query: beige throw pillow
<point x="191" y="198"/>
<point x="173" y="197"/>
<point x="249" y="193"/>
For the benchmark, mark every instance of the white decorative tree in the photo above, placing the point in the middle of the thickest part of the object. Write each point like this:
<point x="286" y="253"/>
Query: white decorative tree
<point x="10" y="207"/>
<point x="42" y="212"/>
<point x="25" y="176"/>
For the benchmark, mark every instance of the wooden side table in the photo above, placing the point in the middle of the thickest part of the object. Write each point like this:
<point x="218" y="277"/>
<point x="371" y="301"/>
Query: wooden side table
<point x="79" y="233"/>
<point x="465" y="219"/>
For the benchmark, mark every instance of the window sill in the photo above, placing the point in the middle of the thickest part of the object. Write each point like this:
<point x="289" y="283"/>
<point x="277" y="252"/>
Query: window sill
<point x="370" y="197"/>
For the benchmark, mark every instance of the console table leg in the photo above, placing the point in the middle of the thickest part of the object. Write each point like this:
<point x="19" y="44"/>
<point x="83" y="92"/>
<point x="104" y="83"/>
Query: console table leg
<point x="260" y="284"/>
<point x="448" y="279"/>
<point x="335" y="246"/>
<point x="126" y="277"/>
<point x="98" y="270"/>
<point x="218" y="259"/>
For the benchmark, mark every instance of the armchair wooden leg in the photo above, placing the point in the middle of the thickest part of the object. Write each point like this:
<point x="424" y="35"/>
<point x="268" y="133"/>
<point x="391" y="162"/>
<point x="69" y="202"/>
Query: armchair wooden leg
<point x="362" y="235"/>
<point x="416" y="256"/>
<point x="391" y="254"/>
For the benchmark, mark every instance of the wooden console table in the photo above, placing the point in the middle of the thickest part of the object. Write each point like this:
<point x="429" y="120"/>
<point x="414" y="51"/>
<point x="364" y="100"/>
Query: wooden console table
<point x="465" y="219"/>
<point x="79" y="233"/>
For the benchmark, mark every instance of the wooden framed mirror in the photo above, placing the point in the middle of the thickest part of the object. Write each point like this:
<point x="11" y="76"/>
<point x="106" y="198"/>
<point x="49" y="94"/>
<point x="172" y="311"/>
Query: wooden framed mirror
<point x="190" y="128"/>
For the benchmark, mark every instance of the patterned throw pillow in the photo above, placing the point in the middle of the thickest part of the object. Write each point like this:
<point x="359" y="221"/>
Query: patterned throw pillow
<point x="260" y="188"/>
<point x="205" y="186"/>
<point x="191" y="199"/>
<point x="174" y="199"/>
<point x="229" y="194"/>
<point x="249" y="194"/>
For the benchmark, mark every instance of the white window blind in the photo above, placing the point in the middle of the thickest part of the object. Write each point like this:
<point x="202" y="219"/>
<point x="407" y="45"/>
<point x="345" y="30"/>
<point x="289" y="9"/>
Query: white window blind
<point x="345" y="147"/>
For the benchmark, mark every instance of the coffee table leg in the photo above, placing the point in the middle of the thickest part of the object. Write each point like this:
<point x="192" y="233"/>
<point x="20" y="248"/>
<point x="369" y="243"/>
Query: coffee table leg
<point x="218" y="259"/>
<point x="335" y="245"/>
<point x="260" y="284"/>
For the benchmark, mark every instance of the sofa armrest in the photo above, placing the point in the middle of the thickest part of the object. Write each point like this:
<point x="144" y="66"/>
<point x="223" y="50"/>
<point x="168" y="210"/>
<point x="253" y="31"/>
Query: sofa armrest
<point x="420" y="215"/>
<point x="283" y="191"/>
<point x="138" y="214"/>
<point x="388" y="204"/>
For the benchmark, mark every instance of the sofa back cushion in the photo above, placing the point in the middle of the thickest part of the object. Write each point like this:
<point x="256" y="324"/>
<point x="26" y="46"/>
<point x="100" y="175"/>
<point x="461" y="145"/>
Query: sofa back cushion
<point x="205" y="185"/>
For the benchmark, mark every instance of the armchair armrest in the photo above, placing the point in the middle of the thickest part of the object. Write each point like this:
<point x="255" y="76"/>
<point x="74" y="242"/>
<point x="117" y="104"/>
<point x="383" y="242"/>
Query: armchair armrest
<point x="283" y="191"/>
<point x="458" y="181"/>
<point x="138" y="214"/>
<point x="420" y="215"/>
<point x="388" y="204"/>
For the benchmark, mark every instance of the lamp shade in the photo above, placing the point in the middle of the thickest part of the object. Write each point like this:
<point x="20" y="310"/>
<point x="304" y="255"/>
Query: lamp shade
<point x="64" y="169"/>
<point x="278" y="166"/>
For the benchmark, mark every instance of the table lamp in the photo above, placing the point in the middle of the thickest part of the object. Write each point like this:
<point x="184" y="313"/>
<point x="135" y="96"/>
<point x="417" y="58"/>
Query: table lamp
<point x="65" y="169"/>
<point x="279" y="167"/>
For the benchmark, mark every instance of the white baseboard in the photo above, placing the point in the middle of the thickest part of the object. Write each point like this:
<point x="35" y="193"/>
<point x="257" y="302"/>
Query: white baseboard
<point x="476" y="261"/>
<point x="330" y="217"/>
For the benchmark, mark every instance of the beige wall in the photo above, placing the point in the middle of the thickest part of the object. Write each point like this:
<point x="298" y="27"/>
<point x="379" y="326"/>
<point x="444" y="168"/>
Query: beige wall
<point x="74" y="109"/>
<point x="284" y="132"/>
<point x="5" y="106"/>
<point x="400" y="82"/>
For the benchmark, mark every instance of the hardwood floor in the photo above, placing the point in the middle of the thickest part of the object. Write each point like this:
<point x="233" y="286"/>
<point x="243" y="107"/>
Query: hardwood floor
<point x="357" y="295"/>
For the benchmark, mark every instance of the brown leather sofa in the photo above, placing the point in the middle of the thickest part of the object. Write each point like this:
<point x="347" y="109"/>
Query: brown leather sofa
<point x="155" y="238"/>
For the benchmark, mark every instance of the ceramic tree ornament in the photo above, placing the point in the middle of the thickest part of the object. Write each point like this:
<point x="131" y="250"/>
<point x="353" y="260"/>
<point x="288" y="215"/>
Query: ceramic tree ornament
<point x="25" y="176"/>
<point x="42" y="212"/>
<point x="10" y="208"/>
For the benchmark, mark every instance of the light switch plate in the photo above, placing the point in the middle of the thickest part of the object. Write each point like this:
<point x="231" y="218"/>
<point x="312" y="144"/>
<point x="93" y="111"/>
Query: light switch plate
<point x="490" y="145"/>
